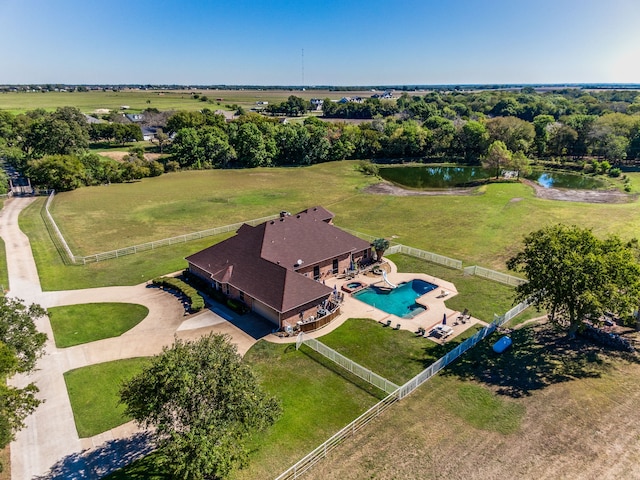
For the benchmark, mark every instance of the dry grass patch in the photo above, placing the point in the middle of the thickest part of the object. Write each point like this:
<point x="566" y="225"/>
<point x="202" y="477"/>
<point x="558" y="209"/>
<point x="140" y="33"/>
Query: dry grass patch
<point x="575" y="419"/>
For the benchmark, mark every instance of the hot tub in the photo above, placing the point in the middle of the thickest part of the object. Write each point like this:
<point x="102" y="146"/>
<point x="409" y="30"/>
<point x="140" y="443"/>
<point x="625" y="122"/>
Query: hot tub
<point x="352" y="287"/>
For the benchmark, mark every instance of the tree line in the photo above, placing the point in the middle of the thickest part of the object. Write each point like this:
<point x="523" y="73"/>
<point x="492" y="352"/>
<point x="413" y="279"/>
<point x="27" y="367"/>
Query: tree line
<point x="595" y="129"/>
<point x="52" y="148"/>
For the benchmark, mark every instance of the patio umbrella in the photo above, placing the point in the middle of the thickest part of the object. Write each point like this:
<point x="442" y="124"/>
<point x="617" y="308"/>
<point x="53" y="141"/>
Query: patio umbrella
<point x="444" y="318"/>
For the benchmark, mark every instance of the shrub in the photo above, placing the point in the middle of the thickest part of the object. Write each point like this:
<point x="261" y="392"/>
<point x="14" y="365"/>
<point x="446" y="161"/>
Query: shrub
<point x="367" y="168"/>
<point x="196" y="301"/>
<point x="615" y="172"/>
<point x="237" y="306"/>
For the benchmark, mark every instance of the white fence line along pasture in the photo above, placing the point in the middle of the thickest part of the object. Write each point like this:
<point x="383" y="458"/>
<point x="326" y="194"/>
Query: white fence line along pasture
<point x="493" y="275"/>
<point x="121" y="252"/>
<point x="54" y="225"/>
<point x="313" y="457"/>
<point x="394" y="248"/>
<point x="428" y="256"/>
<point x="349" y="365"/>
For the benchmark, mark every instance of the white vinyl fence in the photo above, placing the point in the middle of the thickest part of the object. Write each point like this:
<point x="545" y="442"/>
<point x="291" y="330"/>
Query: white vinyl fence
<point x="493" y="275"/>
<point x="349" y="365"/>
<point x="121" y="252"/>
<point x="429" y="256"/>
<point x="306" y="463"/>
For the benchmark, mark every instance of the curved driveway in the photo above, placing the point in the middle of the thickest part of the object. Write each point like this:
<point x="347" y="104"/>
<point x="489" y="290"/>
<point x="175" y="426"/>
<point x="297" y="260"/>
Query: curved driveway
<point x="49" y="444"/>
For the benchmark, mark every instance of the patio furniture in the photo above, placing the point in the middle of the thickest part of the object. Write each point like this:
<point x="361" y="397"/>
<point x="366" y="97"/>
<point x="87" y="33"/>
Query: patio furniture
<point x="397" y="327"/>
<point x="388" y="323"/>
<point x="441" y="331"/>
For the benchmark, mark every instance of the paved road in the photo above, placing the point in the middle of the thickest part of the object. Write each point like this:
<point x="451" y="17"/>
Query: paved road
<point x="49" y="446"/>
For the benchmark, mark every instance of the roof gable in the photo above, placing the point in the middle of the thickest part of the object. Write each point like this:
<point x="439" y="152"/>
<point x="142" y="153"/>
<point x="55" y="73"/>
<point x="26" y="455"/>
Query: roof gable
<point x="262" y="260"/>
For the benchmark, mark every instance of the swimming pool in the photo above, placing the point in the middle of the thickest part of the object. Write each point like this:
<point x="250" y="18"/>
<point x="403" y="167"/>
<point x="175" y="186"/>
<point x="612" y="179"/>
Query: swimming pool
<point x="399" y="301"/>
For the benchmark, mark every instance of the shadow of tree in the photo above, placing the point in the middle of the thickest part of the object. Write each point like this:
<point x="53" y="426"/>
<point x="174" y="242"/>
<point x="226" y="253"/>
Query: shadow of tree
<point x="100" y="462"/>
<point x="539" y="356"/>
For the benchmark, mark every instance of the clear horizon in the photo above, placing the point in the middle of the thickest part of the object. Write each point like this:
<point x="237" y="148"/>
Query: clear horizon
<point x="347" y="43"/>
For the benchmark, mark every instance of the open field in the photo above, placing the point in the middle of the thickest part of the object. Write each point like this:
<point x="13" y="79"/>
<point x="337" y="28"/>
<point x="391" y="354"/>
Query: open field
<point x="139" y="100"/>
<point x="88" y="322"/>
<point x="483" y="229"/>
<point x="552" y="410"/>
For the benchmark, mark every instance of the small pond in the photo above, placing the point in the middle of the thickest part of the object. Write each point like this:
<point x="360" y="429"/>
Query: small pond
<point x="428" y="177"/>
<point x="565" y="180"/>
<point x="433" y="176"/>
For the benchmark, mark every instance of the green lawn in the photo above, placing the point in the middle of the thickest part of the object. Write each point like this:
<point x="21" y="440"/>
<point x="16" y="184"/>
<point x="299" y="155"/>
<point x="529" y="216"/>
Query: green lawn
<point x="77" y="324"/>
<point x="130" y="270"/>
<point x="483" y="229"/>
<point x="93" y="392"/>
<point x="316" y="403"/>
<point x="397" y="355"/>
<point x="482" y="297"/>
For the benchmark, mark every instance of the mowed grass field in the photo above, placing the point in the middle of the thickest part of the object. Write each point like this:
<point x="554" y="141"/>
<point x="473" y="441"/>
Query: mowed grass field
<point x="484" y="229"/>
<point x="138" y="100"/>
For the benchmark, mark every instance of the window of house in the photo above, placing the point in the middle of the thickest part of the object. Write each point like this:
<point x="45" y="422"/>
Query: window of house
<point x="316" y="272"/>
<point x="242" y="296"/>
<point x="335" y="265"/>
<point x="227" y="289"/>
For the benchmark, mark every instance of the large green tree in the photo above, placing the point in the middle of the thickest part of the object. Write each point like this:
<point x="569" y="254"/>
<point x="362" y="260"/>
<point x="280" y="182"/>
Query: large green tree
<point x="576" y="276"/>
<point x="498" y="157"/>
<point x="202" y="402"/>
<point x="20" y="347"/>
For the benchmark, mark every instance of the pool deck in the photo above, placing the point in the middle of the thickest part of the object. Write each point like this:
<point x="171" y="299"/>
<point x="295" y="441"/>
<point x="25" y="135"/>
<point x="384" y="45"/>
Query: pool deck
<point x="434" y="301"/>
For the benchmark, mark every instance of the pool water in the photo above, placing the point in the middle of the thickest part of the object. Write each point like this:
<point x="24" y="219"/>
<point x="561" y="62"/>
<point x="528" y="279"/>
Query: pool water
<point x="400" y="301"/>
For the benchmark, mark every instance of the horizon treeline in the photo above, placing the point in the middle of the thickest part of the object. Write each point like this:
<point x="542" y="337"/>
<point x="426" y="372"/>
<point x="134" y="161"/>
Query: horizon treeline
<point x="563" y="126"/>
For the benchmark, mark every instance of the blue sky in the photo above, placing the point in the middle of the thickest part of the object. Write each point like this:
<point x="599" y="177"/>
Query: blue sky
<point x="348" y="42"/>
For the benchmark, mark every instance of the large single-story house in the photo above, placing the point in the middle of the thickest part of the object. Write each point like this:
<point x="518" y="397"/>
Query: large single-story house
<point x="280" y="268"/>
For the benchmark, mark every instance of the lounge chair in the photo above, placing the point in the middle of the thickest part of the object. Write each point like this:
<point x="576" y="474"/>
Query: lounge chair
<point x="388" y="324"/>
<point x="397" y="327"/>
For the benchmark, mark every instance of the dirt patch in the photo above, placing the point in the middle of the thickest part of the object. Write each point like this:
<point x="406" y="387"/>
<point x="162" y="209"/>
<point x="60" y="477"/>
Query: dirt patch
<point x="585" y="196"/>
<point x="386" y="188"/>
<point x="118" y="155"/>
<point x="561" y="194"/>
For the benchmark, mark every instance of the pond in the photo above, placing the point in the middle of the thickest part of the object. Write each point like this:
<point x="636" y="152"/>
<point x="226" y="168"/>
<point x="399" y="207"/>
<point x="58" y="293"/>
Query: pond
<point x="565" y="180"/>
<point x="434" y="176"/>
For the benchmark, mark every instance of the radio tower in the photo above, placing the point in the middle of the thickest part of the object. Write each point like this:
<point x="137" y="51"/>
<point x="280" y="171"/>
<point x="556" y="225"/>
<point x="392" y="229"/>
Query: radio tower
<point x="303" y="69"/>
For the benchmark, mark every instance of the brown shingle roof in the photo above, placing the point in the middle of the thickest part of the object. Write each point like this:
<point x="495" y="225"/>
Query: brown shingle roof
<point x="261" y="260"/>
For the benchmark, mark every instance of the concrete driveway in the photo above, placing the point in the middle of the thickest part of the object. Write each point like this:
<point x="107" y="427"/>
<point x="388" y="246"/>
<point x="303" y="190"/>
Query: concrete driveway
<point x="49" y="446"/>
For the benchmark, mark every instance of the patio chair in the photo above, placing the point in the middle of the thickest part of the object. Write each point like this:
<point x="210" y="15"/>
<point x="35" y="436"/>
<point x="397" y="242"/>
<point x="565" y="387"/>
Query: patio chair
<point x="463" y="314"/>
<point x="397" y="327"/>
<point x="388" y="323"/>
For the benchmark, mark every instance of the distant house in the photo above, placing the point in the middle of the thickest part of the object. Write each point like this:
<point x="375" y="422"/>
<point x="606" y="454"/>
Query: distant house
<point x="317" y="103"/>
<point x="91" y="119"/>
<point x="149" y="133"/>
<point x="350" y="100"/>
<point x="134" y="117"/>
<point x="279" y="268"/>
<point x="228" y="116"/>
